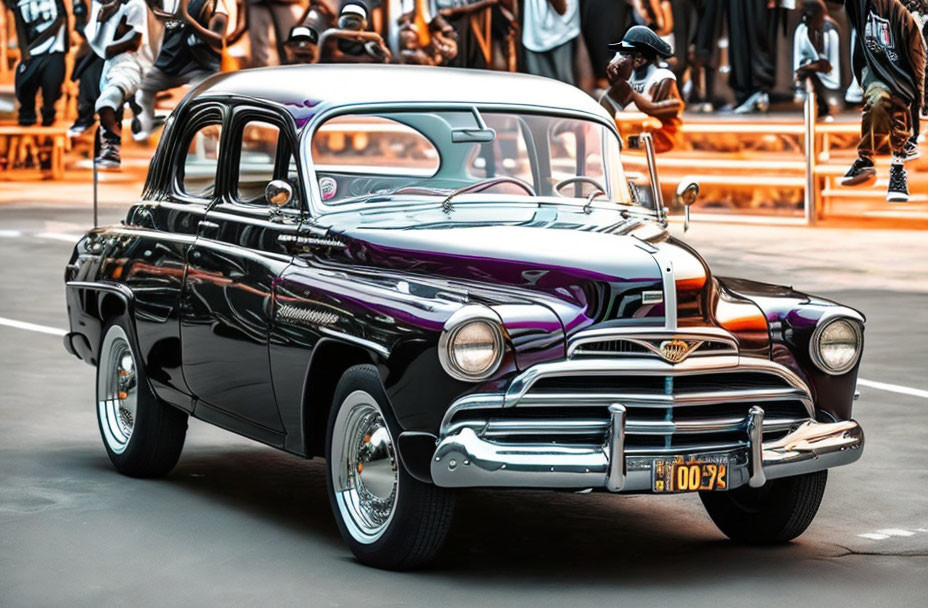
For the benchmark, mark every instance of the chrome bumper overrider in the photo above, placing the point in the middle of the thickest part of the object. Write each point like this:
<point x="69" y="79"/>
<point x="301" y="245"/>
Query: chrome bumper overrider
<point x="465" y="460"/>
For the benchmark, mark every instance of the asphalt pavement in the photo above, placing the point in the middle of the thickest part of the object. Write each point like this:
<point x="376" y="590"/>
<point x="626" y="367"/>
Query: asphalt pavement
<point x="239" y="524"/>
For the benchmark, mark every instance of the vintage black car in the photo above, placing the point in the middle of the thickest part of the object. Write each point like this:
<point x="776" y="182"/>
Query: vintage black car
<point x="441" y="279"/>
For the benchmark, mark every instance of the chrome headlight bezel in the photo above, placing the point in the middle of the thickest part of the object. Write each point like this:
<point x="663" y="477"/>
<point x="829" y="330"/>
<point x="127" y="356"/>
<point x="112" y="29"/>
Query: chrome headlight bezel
<point x="458" y="321"/>
<point x="855" y="322"/>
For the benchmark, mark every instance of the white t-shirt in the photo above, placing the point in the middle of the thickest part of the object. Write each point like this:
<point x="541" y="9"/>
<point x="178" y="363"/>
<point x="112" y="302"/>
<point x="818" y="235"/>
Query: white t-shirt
<point x="137" y="16"/>
<point x="543" y="29"/>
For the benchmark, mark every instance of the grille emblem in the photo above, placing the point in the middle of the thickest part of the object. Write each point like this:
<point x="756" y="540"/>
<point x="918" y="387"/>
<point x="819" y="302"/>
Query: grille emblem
<point x="677" y="350"/>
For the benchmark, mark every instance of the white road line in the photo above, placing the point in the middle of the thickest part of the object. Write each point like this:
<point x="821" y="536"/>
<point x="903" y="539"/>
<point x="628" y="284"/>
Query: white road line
<point x="43" y="329"/>
<point x="873" y="536"/>
<point x="10" y="234"/>
<point x="895" y="532"/>
<point x="893" y="388"/>
<point x="58" y="236"/>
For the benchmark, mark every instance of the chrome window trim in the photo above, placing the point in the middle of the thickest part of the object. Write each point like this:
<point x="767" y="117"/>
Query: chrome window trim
<point x="314" y="199"/>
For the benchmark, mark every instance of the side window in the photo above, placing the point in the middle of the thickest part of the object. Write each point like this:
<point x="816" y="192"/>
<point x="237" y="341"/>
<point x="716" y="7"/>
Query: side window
<point x="201" y="162"/>
<point x="265" y="156"/>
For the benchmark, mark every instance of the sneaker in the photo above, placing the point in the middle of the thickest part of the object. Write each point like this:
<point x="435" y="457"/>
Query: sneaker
<point x="758" y="102"/>
<point x="910" y="150"/>
<point x="108" y="159"/>
<point x="898" y="191"/>
<point x="79" y="128"/>
<point x="861" y="172"/>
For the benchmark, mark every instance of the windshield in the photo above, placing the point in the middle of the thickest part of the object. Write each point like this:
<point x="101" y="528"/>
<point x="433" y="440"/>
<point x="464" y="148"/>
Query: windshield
<point x="375" y="157"/>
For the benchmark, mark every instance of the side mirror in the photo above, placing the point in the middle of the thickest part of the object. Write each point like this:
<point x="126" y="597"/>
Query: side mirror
<point x="278" y="193"/>
<point x="687" y="193"/>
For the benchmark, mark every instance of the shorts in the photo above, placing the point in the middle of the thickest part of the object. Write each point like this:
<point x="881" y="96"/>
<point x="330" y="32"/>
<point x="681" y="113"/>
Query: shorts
<point x="121" y="78"/>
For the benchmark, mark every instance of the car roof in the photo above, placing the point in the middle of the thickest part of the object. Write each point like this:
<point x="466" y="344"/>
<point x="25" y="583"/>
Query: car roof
<point x="306" y="90"/>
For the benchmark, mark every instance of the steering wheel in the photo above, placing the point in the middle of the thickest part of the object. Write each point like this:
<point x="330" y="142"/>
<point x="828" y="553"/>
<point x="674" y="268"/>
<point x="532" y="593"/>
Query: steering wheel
<point x="580" y="179"/>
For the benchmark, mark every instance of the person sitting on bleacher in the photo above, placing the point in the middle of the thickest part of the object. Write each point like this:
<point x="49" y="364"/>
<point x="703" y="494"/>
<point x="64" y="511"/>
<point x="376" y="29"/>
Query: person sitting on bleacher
<point x="889" y="61"/>
<point x="637" y="82"/>
<point x="817" y="54"/>
<point x="127" y="36"/>
<point x="42" y="34"/>
<point x="189" y="54"/>
<point x="88" y="67"/>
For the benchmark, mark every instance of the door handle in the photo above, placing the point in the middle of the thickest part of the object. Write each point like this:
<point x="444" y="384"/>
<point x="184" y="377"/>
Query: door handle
<point x="206" y="226"/>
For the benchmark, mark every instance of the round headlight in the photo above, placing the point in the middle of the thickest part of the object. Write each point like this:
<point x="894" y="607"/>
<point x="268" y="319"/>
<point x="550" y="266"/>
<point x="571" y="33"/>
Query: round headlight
<point x="836" y="345"/>
<point x="471" y="347"/>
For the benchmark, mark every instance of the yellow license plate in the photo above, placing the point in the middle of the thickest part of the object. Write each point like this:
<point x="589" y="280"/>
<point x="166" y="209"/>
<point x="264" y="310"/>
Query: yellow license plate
<point x="689" y="474"/>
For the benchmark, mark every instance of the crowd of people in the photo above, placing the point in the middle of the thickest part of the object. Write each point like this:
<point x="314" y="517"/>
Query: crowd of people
<point x="654" y="56"/>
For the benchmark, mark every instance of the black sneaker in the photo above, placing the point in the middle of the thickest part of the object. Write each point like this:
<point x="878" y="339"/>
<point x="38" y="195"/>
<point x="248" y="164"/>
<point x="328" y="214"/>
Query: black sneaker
<point x="861" y="172"/>
<point x="79" y="127"/>
<point x="898" y="184"/>
<point x="109" y="151"/>
<point x="910" y="150"/>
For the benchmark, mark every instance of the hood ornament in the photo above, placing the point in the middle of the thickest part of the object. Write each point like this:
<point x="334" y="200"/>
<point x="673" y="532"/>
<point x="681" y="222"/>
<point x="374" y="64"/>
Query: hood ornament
<point x="676" y="351"/>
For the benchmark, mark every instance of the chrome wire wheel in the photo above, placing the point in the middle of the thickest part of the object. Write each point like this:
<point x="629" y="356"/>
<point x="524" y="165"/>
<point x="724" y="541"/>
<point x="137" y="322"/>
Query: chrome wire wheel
<point x="364" y="468"/>
<point x="117" y="390"/>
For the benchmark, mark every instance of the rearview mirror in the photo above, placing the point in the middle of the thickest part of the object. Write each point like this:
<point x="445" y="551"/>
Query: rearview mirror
<point x="687" y="193"/>
<point x="473" y="136"/>
<point x="278" y="193"/>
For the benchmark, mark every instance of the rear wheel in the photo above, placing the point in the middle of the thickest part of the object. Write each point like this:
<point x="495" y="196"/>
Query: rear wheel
<point x="776" y="512"/>
<point x="389" y="519"/>
<point x="143" y="436"/>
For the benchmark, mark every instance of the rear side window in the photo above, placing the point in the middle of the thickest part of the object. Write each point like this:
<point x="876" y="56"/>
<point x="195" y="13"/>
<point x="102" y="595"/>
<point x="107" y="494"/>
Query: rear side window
<point x="265" y="155"/>
<point x="201" y="162"/>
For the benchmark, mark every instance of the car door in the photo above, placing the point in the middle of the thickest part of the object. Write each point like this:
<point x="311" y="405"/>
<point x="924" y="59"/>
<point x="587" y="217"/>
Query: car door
<point x="232" y="267"/>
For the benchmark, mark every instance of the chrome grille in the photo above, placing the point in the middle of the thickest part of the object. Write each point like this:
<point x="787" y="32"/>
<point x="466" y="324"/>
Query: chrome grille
<point x="700" y="404"/>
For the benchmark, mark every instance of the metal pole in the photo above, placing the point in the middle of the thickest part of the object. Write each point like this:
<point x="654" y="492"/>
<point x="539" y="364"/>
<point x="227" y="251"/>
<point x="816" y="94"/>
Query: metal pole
<point x="96" y="143"/>
<point x="809" y="117"/>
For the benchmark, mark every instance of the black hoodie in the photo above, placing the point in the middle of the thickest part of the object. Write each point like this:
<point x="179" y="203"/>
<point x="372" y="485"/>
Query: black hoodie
<point x="890" y="45"/>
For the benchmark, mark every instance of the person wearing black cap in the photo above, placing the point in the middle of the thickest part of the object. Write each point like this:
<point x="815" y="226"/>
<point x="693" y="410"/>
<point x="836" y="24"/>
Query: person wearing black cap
<point x="264" y="15"/>
<point x="637" y="82"/>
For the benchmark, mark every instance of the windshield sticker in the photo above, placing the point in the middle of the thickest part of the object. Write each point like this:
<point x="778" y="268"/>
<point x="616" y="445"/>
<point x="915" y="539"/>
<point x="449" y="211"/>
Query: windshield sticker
<point x="328" y="187"/>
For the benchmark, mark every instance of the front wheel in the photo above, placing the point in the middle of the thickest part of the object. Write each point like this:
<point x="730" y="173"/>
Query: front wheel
<point x="143" y="436"/>
<point x="389" y="519"/>
<point x="774" y="513"/>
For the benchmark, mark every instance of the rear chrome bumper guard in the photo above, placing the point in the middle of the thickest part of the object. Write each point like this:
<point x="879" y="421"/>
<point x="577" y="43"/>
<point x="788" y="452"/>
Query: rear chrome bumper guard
<point x="464" y="459"/>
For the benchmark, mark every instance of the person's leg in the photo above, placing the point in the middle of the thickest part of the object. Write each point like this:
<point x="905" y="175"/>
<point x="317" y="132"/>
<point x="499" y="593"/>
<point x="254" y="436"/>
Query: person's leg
<point x="52" y="80"/>
<point x="875" y="128"/>
<point x="26" y="85"/>
<point x="899" y="136"/>
<point x="88" y="89"/>
<point x="122" y="76"/>
<point x="153" y="82"/>
<point x="259" y="24"/>
<point x="739" y="50"/>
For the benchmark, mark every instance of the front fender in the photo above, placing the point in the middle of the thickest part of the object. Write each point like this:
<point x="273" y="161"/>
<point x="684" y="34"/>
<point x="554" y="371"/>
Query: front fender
<point x="792" y="317"/>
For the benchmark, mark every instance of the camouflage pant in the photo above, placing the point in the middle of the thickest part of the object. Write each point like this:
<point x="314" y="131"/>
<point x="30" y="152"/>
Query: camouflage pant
<point x="885" y="127"/>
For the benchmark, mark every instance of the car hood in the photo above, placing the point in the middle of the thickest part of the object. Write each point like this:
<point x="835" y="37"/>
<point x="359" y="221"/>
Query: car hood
<point x="588" y="269"/>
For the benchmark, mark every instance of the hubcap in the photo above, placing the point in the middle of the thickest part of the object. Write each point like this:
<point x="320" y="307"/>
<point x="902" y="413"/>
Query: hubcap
<point x="117" y="390"/>
<point x="364" y="468"/>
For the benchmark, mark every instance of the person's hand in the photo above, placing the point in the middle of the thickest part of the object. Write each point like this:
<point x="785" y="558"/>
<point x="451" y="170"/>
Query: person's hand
<point x="620" y="68"/>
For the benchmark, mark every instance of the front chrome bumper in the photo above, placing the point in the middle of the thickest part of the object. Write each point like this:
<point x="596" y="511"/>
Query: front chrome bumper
<point x="463" y="459"/>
